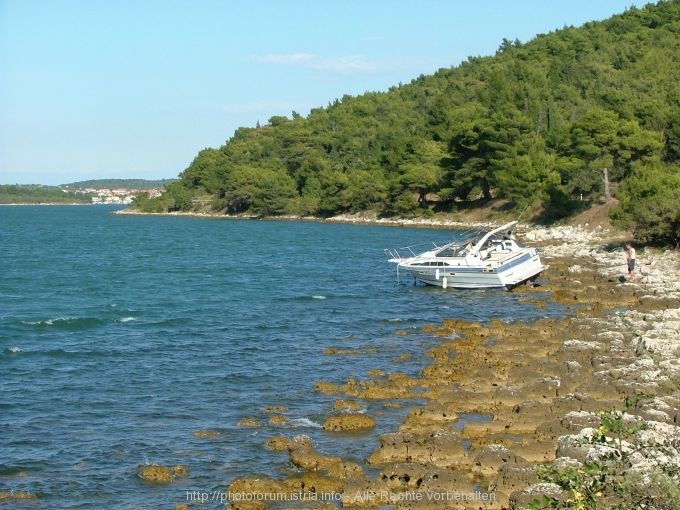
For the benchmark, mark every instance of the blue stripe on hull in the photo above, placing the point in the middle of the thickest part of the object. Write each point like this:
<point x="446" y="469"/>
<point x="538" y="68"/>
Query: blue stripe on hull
<point x="502" y="276"/>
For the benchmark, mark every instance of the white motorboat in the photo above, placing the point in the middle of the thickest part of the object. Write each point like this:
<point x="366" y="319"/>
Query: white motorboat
<point x="480" y="260"/>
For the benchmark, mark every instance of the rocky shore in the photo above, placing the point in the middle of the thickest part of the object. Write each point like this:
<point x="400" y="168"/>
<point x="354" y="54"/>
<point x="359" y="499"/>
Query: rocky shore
<point x="358" y="218"/>
<point x="574" y="411"/>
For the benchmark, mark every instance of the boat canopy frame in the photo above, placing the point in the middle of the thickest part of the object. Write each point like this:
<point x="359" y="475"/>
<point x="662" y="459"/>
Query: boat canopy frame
<point x="476" y="239"/>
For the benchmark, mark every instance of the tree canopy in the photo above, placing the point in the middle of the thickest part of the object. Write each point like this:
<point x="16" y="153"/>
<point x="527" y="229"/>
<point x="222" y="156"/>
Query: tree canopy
<point x="39" y="194"/>
<point x="542" y="124"/>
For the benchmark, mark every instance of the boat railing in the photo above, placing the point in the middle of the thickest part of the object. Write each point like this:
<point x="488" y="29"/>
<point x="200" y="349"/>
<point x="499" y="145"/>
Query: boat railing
<point x="410" y="251"/>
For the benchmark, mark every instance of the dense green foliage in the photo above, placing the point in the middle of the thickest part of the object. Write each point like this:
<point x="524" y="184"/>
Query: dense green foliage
<point x="537" y="124"/>
<point x="650" y="205"/>
<point x="37" y="194"/>
<point x="119" y="183"/>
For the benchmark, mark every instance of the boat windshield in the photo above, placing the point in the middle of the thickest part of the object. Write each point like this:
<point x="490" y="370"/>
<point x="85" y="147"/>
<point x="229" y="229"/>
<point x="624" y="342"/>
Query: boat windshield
<point x="459" y="248"/>
<point x="449" y="251"/>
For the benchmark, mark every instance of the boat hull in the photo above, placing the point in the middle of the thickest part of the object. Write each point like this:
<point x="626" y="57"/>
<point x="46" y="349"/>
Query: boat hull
<point x="507" y="276"/>
<point x="478" y="261"/>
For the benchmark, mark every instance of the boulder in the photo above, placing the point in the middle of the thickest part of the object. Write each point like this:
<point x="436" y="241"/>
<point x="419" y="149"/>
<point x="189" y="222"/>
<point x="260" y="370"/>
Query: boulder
<point x="489" y="460"/>
<point x="154" y="473"/>
<point x="444" y="448"/>
<point x="350" y="422"/>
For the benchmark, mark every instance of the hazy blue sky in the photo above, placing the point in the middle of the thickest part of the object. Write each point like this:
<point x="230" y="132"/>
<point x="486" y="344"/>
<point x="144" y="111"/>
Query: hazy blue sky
<point x="135" y="88"/>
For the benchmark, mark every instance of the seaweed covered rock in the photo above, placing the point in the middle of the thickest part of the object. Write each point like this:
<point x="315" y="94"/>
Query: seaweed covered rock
<point x="7" y="496"/>
<point x="350" y="422"/>
<point x="155" y="473"/>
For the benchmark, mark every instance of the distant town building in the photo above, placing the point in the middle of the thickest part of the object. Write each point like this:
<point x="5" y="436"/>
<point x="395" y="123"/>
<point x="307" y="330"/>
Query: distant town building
<point x="114" y="196"/>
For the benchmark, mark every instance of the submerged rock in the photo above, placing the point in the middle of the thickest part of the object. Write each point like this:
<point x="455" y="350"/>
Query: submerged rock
<point x="208" y="433"/>
<point x="249" y="422"/>
<point x="278" y="420"/>
<point x="7" y="496"/>
<point x="347" y="405"/>
<point x="155" y="473"/>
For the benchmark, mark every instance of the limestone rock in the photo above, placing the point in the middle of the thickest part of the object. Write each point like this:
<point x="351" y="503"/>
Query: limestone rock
<point x="278" y="444"/>
<point x="277" y="420"/>
<point x="489" y="460"/>
<point x="444" y="448"/>
<point x="347" y="406"/>
<point x="302" y="454"/>
<point x="524" y="498"/>
<point x="432" y="414"/>
<point x="349" y="422"/>
<point x="155" y="473"/>
<point x="513" y="477"/>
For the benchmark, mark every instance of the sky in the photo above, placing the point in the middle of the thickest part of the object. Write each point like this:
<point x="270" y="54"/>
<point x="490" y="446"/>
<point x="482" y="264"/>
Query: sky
<point x="96" y="89"/>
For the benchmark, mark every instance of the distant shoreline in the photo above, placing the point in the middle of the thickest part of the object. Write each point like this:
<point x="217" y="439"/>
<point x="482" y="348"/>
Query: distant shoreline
<point x="21" y="204"/>
<point x="357" y="219"/>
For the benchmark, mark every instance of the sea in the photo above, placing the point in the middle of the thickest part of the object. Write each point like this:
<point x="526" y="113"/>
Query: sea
<point x="130" y="340"/>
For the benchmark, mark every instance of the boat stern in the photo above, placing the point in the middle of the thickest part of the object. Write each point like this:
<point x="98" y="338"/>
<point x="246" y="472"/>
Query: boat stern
<point x="528" y="270"/>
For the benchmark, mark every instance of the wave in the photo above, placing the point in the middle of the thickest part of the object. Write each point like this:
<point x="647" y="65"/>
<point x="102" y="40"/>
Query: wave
<point x="57" y="353"/>
<point x="300" y="297"/>
<point x="61" y="353"/>
<point x="67" y="323"/>
<point x="11" y="351"/>
<point x="305" y="423"/>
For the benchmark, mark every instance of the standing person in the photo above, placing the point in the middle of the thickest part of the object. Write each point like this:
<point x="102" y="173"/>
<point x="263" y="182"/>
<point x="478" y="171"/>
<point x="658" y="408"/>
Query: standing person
<point x="630" y="261"/>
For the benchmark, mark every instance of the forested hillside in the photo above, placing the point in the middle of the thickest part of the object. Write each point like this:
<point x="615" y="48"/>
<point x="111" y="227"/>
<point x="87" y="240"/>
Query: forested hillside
<point x="38" y="194"/>
<point x="119" y="183"/>
<point x="567" y="118"/>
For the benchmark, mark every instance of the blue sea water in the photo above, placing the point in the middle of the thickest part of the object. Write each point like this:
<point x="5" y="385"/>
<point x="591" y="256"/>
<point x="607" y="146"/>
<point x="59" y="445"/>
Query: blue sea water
<point x="122" y="337"/>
